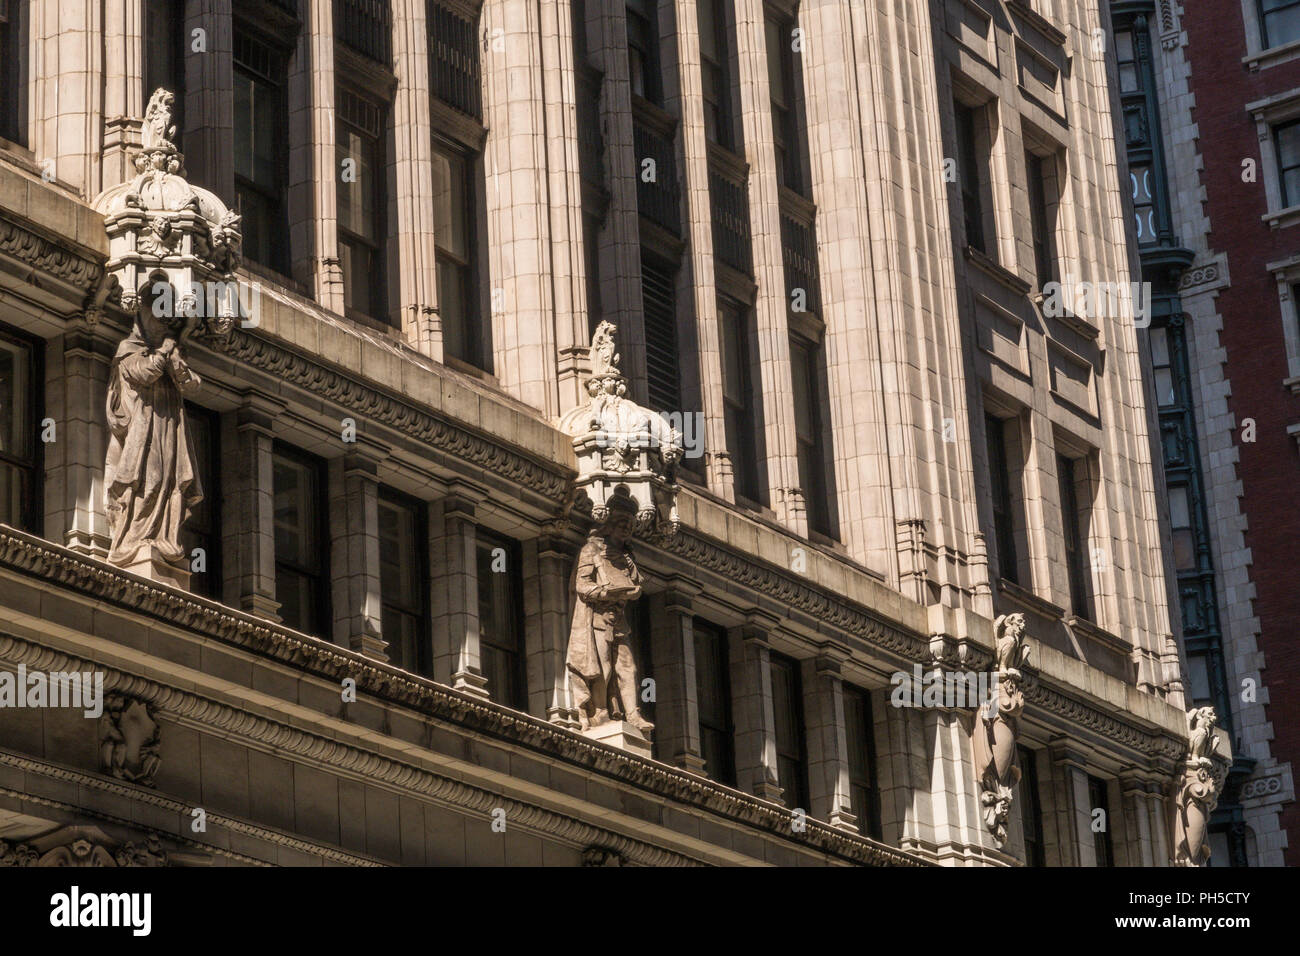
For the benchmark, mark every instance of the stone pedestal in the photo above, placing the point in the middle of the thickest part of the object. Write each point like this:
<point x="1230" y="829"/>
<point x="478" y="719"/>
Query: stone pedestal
<point x="620" y="734"/>
<point x="150" y="564"/>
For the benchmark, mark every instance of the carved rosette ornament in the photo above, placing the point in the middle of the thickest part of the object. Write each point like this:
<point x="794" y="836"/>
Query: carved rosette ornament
<point x="173" y="252"/>
<point x="997" y="727"/>
<point x="1197" y="790"/>
<point x="627" y="460"/>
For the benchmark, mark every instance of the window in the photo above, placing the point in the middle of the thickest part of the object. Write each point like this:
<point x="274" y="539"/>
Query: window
<point x="1031" y="808"/>
<point x="403" y="584"/>
<point x="261" y="118"/>
<point x="741" y="408"/>
<point x="591" y="261"/>
<point x="13" y="71"/>
<point x="1042" y="215"/>
<point x="663" y="364"/>
<point x="1130" y="74"/>
<point x="453" y="229"/>
<point x="20" y="385"/>
<point x="716" y="73"/>
<point x="1287" y="138"/>
<point x="1162" y="368"/>
<point x="643" y="50"/>
<point x="1279" y="22"/>
<point x="791" y="754"/>
<point x="864" y="797"/>
<point x="971" y="170"/>
<point x="805" y="369"/>
<point x="1004" y="530"/>
<point x="638" y="621"/>
<point x="499" y="623"/>
<point x="1075" y="540"/>
<point x="780" y="77"/>
<point x="361" y="203"/>
<point x="164" y="54"/>
<point x="1180" y="521"/>
<point x="301" y="541"/>
<point x="1142" y="185"/>
<point x="1101" y="839"/>
<point x="366" y="26"/>
<point x="713" y="696"/>
<point x="453" y="59"/>
<point x="203" y="530"/>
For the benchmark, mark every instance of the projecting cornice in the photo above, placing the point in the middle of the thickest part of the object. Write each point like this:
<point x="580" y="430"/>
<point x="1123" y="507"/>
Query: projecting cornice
<point x="552" y="481"/>
<point x="58" y="566"/>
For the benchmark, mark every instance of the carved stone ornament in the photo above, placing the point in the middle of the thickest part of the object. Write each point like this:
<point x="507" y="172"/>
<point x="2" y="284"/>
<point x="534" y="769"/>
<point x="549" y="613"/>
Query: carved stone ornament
<point x="1197" y="790"/>
<point x="173" y="251"/>
<point x="130" y="740"/>
<point x="82" y="846"/>
<point x="997" y="727"/>
<point x="622" y="447"/>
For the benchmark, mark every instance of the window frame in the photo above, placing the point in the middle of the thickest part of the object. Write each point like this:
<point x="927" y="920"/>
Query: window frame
<point x="377" y="277"/>
<point x="321" y="572"/>
<point x="1103" y="843"/>
<point x="1074" y="542"/>
<point x="1004" y="515"/>
<point x="467" y="267"/>
<point x="741" y="415"/>
<point x="210" y="481"/>
<point x="820" y="517"/>
<point x="423" y="663"/>
<point x="486" y="541"/>
<point x="1266" y="43"/>
<point x="277" y="195"/>
<point x="721" y="727"/>
<point x="1032" y="807"/>
<point x="790" y="752"/>
<point x="972" y="173"/>
<point x="32" y="519"/>
<point x="863" y="776"/>
<point x="646" y="46"/>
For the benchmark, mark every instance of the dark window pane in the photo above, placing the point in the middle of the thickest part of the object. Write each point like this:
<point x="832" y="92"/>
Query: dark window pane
<point x="971" y="172"/>
<point x="864" y="798"/>
<point x="1101" y="839"/>
<point x="301" y="555"/>
<point x="402" y="581"/>
<point x="361" y="197"/>
<point x="787" y="708"/>
<point x="1003" y="516"/>
<point x="713" y="694"/>
<point x="500" y="621"/>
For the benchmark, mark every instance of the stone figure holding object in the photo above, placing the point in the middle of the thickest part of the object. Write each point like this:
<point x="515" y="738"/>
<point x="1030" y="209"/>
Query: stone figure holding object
<point x="151" y="483"/>
<point x="602" y="669"/>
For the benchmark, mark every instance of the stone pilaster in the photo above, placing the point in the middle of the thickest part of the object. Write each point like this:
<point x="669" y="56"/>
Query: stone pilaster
<point x="752" y="709"/>
<point x="547" y="560"/>
<point x="453" y="561"/>
<point x="672" y="645"/>
<point x="248" y="541"/>
<point x="74" y="489"/>
<point x="1138" y="849"/>
<point x="123" y="88"/>
<point x="771" y="306"/>
<point x="1071" y="814"/>
<point x="327" y="275"/>
<point x="413" y="174"/>
<point x="354" y="551"/>
<point x="828" y="750"/>
<point x="67" y="67"/>
<point x="209" y="114"/>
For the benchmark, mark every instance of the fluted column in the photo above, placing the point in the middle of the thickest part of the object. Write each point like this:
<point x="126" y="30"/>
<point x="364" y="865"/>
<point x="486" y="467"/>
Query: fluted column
<point x="354" y="552"/>
<point x="753" y="713"/>
<point x="828" y="749"/>
<point x="248" y="541"/>
<point x="453" y="561"/>
<point x="547" y="560"/>
<point x="672" y="644"/>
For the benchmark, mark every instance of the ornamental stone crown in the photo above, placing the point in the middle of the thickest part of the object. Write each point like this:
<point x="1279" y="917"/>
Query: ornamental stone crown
<point x="159" y="223"/>
<point x="621" y="447"/>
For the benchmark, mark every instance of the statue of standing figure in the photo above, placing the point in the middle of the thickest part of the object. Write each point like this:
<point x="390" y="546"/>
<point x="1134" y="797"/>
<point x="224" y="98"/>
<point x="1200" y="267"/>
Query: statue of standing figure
<point x="602" y="668"/>
<point x="151" y="481"/>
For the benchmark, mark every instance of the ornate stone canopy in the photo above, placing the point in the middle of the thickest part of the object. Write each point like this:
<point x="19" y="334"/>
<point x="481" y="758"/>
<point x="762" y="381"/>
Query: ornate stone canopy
<point x="159" y="222"/>
<point x="622" y="447"/>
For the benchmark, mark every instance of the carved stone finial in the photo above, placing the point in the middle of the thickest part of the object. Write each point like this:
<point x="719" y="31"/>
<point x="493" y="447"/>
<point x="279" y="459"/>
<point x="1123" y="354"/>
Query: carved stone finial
<point x="997" y="727"/>
<point x="1197" y="790"/>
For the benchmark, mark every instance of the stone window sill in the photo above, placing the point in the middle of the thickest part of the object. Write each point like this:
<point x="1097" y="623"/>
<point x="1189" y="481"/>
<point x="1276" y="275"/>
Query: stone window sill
<point x="1282" y="218"/>
<point x="1273" y="56"/>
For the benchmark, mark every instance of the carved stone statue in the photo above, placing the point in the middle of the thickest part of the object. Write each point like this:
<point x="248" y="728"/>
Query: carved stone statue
<point x="158" y="130"/>
<point x="602" y="668"/>
<point x="151" y="480"/>
<point x="1198" y="791"/>
<point x="998" y="727"/>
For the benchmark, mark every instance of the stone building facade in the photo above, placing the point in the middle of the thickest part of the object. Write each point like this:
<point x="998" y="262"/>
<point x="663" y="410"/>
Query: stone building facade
<point x="803" y="250"/>
<point x="1212" y="237"/>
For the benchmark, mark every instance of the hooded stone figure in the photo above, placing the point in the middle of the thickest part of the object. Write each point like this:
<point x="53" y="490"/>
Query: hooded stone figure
<point x="602" y="669"/>
<point x="150" y="478"/>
